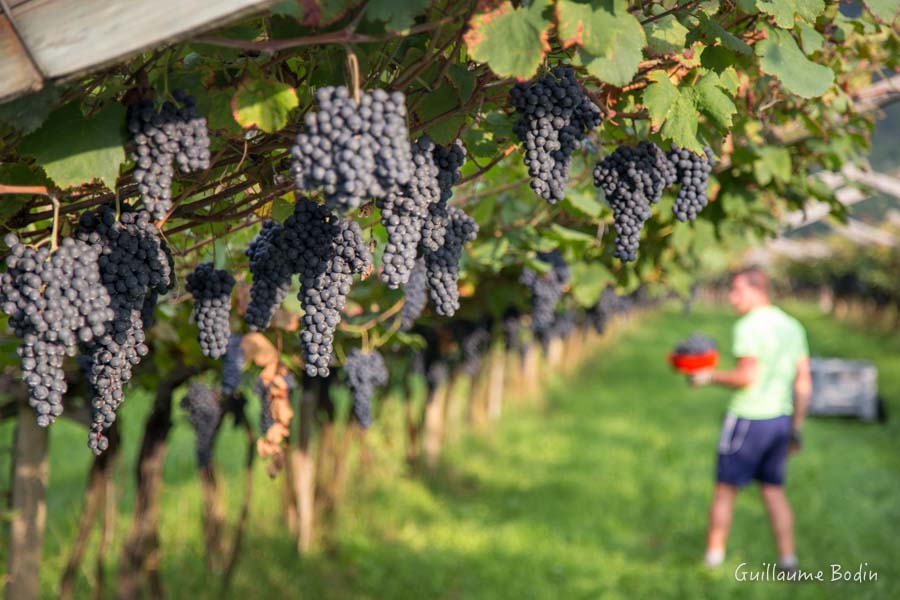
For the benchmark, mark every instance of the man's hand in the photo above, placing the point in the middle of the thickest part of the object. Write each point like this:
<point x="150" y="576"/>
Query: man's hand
<point x="699" y="378"/>
<point x="796" y="443"/>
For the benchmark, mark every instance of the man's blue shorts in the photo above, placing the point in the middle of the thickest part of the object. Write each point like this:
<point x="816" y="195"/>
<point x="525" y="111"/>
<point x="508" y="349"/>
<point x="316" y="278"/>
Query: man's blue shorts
<point x="753" y="449"/>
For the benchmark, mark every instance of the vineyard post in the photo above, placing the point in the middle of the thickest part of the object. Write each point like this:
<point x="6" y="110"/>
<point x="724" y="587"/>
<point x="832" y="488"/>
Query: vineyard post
<point x="29" y="506"/>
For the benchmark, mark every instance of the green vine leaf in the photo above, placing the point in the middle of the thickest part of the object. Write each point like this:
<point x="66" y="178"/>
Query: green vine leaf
<point x="611" y="39"/>
<point x="713" y="29"/>
<point x="672" y="110"/>
<point x="780" y="57"/>
<point x="27" y="113"/>
<point x="885" y="11"/>
<point x="74" y="150"/>
<point x="397" y="16"/>
<point x="493" y="35"/>
<point x="713" y="101"/>
<point x="666" y="35"/>
<point x="784" y="10"/>
<point x="810" y="40"/>
<point x="264" y="104"/>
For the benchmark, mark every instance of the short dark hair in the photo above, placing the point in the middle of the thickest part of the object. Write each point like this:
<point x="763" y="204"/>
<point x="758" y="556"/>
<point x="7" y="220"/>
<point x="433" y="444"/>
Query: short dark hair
<point x="756" y="278"/>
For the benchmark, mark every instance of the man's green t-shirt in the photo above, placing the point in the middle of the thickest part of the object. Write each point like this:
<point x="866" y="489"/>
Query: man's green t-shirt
<point x="777" y="341"/>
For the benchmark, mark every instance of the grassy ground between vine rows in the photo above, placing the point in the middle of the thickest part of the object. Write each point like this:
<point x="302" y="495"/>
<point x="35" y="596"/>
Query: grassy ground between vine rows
<point x="602" y="493"/>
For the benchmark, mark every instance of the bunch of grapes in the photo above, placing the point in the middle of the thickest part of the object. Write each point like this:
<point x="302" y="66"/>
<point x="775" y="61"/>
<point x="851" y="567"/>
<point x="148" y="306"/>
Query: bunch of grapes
<point x="512" y="328"/>
<point x="546" y="290"/>
<point x="232" y="365"/>
<point x="693" y="175"/>
<point x="204" y="414"/>
<point x="633" y="178"/>
<point x="272" y="272"/>
<point x="174" y="133"/>
<point x="136" y="267"/>
<point x="353" y="151"/>
<point x="442" y="265"/>
<point x="404" y="211"/>
<point x="606" y="306"/>
<point x="474" y="344"/>
<point x="563" y="325"/>
<point x="554" y="116"/>
<point x="211" y="289"/>
<point x="55" y="301"/>
<point x="416" y="296"/>
<point x="326" y="251"/>
<point x="365" y="372"/>
<point x="696" y="344"/>
<point x="449" y="161"/>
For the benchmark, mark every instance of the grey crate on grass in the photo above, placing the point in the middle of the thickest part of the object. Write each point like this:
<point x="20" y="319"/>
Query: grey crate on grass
<point x="844" y="388"/>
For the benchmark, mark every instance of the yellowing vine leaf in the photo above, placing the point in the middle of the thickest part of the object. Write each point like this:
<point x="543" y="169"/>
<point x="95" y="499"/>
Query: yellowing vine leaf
<point x="264" y="104"/>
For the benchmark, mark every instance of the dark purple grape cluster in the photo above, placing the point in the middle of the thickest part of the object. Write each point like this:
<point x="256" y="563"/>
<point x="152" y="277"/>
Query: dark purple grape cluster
<point x="474" y="345"/>
<point x="353" y="151"/>
<point x="211" y="289"/>
<point x="404" y="211"/>
<point x="554" y="116"/>
<point x="693" y="175"/>
<point x="512" y="329"/>
<point x="563" y="325"/>
<point x="604" y="309"/>
<point x="272" y="272"/>
<point x="173" y="133"/>
<point x="136" y="267"/>
<point x="204" y="414"/>
<point x="449" y="161"/>
<point x="416" y="296"/>
<point x="442" y="265"/>
<point x="232" y="365"/>
<point x="633" y="178"/>
<point x="546" y="290"/>
<point x="55" y="301"/>
<point x="325" y="251"/>
<point x="365" y="372"/>
<point x="697" y="343"/>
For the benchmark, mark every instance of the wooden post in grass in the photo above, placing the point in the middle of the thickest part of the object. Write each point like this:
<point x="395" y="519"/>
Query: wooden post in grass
<point x="495" y="381"/>
<point x="434" y="424"/>
<point x="29" y="507"/>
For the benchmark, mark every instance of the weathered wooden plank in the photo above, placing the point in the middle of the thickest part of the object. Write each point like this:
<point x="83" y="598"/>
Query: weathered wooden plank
<point x="16" y="71"/>
<point x="68" y="37"/>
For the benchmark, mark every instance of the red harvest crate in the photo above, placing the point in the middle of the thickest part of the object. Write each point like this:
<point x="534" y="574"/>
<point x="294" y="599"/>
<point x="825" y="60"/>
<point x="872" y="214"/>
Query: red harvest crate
<point x="691" y="363"/>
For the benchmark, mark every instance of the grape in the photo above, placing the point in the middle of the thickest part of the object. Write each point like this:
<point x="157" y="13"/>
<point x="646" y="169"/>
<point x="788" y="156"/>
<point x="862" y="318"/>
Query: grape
<point x="546" y="290"/>
<point x="562" y="327"/>
<point x="416" y="296"/>
<point x="211" y="289"/>
<point x="554" y="116"/>
<point x="404" y="211"/>
<point x="204" y="414"/>
<point x="327" y="251"/>
<point x="607" y="305"/>
<point x="232" y="365"/>
<point x="693" y="174"/>
<point x="353" y="151"/>
<point x="473" y="347"/>
<point x="173" y="133"/>
<point x="365" y="372"/>
<point x="512" y="329"/>
<point x="449" y="161"/>
<point x="55" y="302"/>
<point x="633" y="178"/>
<point x="442" y="265"/>
<point x="272" y="273"/>
<point x="697" y="343"/>
<point x="136" y="267"/>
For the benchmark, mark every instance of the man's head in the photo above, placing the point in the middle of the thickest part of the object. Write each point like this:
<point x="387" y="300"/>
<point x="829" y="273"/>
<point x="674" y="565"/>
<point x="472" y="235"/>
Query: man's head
<point x="749" y="289"/>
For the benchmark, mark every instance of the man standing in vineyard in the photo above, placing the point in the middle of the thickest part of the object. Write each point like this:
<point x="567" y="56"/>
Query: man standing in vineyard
<point x="763" y="422"/>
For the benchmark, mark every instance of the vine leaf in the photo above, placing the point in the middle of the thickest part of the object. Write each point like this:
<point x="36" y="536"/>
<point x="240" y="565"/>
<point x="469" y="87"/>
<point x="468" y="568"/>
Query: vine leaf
<point x="611" y="39"/>
<point x="773" y="163"/>
<point x="713" y="101"/>
<point x="27" y="113"/>
<point x="315" y="13"/>
<point x="780" y="57"/>
<point x="263" y="104"/>
<point x="74" y="150"/>
<point x="784" y="10"/>
<point x="512" y="41"/>
<point x="666" y="35"/>
<point x="883" y="10"/>
<point x="810" y="40"/>
<point x="443" y="100"/>
<point x="397" y="16"/>
<point x="588" y="282"/>
<point x="713" y="29"/>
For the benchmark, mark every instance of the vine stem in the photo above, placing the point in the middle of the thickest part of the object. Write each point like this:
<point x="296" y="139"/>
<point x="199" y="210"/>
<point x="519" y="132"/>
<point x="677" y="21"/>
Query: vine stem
<point x="335" y="37"/>
<point x="54" y="234"/>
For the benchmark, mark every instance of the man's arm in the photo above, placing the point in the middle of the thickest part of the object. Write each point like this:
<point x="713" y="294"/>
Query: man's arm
<point x="744" y="374"/>
<point x="802" y="392"/>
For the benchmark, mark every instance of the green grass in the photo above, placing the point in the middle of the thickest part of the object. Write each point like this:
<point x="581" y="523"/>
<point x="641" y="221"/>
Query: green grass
<point x="602" y="494"/>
